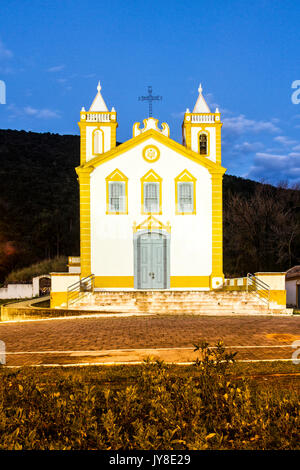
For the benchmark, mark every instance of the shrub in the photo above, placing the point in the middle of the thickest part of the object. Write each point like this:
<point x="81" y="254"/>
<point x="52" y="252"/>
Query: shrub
<point x="159" y="410"/>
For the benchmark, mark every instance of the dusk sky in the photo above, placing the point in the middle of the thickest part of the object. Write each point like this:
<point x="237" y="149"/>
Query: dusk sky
<point x="245" y="54"/>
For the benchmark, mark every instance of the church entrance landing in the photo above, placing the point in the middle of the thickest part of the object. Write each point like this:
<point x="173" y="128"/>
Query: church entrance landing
<point x="151" y="260"/>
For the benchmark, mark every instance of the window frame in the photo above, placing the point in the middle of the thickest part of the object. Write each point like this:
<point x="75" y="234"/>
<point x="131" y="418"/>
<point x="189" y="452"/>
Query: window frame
<point x="97" y="129"/>
<point x="116" y="177"/>
<point x="204" y="132"/>
<point x="151" y="177"/>
<point x="185" y="177"/>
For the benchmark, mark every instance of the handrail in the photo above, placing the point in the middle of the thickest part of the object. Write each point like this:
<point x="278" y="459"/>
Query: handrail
<point x="258" y="288"/>
<point x="78" y="289"/>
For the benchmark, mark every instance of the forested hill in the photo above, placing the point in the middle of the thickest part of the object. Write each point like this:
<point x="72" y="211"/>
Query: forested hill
<point x="39" y="209"/>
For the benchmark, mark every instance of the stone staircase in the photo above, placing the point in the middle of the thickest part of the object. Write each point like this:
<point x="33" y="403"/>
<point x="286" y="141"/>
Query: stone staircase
<point x="172" y="302"/>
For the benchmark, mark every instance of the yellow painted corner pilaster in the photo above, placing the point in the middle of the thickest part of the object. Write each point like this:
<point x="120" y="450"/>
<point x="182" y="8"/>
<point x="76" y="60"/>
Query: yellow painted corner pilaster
<point x="218" y="143"/>
<point x="187" y="132"/>
<point x="82" y="127"/>
<point x="113" y="135"/>
<point x="85" y="219"/>
<point x="217" y="228"/>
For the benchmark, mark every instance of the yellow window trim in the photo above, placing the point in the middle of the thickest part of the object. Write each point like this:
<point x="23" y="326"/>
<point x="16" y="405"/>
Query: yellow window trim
<point x="116" y="176"/>
<point x="98" y="128"/>
<point x="205" y="132"/>
<point x="151" y="177"/>
<point x="185" y="177"/>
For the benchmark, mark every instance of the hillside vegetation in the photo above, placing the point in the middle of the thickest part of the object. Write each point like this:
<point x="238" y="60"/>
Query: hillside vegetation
<point x="39" y="209"/>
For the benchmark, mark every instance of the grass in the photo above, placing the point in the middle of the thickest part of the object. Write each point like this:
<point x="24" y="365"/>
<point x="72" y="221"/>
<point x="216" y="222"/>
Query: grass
<point x="215" y="404"/>
<point x="58" y="264"/>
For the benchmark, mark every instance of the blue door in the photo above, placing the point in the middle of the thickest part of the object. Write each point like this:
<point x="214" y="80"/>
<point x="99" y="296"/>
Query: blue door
<point x="151" y="261"/>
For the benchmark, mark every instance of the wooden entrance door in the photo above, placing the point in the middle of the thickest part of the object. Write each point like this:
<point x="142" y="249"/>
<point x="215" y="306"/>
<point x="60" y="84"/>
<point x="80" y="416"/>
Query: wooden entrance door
<point x="151" y="261"/>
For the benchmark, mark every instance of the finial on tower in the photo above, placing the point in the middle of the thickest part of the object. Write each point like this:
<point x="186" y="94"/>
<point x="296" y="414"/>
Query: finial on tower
<point x="201" y="105"/>
<point x="99" y="87"/>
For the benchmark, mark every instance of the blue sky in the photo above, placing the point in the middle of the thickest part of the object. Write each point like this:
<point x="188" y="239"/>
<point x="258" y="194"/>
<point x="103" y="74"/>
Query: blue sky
<point x="245" y="54"/>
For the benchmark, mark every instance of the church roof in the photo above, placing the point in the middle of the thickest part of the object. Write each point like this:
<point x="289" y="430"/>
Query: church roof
<point x="98" y="104"/>
<point x="201" y="105"/>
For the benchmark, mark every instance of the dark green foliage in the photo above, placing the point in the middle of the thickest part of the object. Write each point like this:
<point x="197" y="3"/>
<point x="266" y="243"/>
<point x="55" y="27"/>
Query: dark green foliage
<point x="38" y="198"/>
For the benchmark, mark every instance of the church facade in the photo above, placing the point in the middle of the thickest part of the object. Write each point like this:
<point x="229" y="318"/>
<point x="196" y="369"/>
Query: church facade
<point x="150" y="208"/>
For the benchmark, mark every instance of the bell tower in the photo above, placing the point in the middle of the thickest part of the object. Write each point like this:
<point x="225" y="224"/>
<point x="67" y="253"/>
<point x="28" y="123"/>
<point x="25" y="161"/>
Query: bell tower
<point x="97" y="129"/>
<point x="201" y="130"/>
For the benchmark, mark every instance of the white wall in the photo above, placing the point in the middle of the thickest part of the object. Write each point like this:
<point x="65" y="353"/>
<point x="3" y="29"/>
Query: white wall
<point x="112" y="235"/>
<point x="61" y="281"/>
<point x="16" y="291"/>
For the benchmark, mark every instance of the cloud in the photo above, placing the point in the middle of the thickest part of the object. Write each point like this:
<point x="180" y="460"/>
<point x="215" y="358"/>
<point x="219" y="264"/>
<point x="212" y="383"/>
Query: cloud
<point x="275" y="167"/>
<point x="282" y="139"/>
<point x="247" y="147"/>
<point x="4" y="52"/>
<point x="56" y="68"/>
<point x="240" y="125"/>
<point x="43" y="113"/>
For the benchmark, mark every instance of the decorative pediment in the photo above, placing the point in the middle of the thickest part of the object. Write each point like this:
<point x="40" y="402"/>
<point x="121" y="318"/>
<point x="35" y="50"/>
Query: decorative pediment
<point x="151" y="223"/>
<point x="151" y="123"/>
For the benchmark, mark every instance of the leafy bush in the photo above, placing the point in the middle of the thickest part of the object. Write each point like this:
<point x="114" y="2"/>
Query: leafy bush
<point x="58" y="264"/>
<point x="208" y="410"/>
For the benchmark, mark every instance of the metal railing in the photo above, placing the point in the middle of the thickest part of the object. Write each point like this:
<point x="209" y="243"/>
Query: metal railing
<point x="258" y="288"/>
<point x="78" y="290"/>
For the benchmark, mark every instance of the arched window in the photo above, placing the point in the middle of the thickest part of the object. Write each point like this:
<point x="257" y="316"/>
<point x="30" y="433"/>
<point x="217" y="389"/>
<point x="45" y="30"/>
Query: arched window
<point x="98" y="142"/>
<point x="203" y="144"/>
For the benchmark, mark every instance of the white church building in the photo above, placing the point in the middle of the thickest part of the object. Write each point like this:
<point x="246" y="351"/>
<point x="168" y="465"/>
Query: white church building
<point x="150" y="208"/>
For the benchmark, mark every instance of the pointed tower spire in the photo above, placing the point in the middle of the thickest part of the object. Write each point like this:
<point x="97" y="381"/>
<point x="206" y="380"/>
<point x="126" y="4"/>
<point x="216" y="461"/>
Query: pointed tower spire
<point x="201" y="105"/>
<point x="98" y="104"/>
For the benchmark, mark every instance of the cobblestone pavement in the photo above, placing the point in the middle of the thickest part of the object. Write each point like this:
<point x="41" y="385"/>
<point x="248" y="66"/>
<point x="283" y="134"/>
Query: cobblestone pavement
<point x="92" y="339"/>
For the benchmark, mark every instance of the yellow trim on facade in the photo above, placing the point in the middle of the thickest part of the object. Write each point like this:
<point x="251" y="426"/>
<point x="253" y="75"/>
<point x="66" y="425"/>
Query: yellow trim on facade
<point x="151" y="223"/>
<point x="217" y="227"/>
<point x="189" y="281"/>
<point x="97" y="129"/>
<point x="116" y="176"/>
<point x="278" y="297"/>
<point x="218" y="145"/>
<point x="151" y="148"/>
<point x="187" y="177"/>
<point x="82" y="128"/>
<point x="207" y="133"/>
<point x="58" y="299"/>
<point x="114" y="281"/>
<point x="85" y="219"/>
<point x="211" y="166"/>
<point x="151" y="177"/>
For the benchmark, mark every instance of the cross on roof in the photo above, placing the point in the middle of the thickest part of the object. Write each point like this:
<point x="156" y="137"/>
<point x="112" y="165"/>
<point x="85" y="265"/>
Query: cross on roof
<point x="150" y="98"/>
